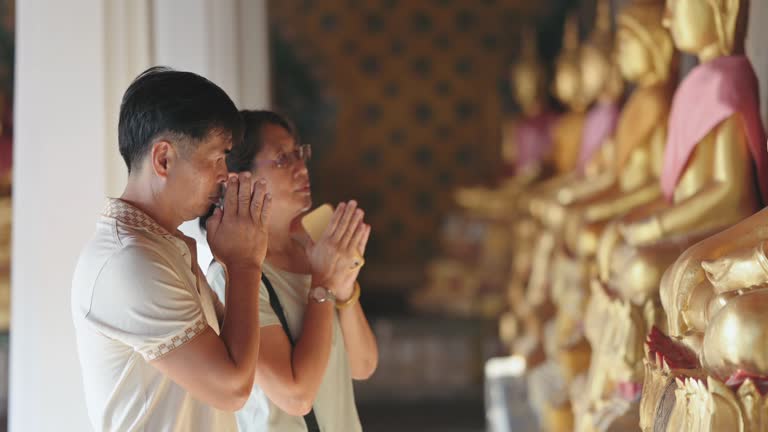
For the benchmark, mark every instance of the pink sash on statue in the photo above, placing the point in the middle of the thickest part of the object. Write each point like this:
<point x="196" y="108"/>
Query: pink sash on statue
<point x="599" y="125"/>
<point x="711" y="93"/>
<point x="533" y="140"/>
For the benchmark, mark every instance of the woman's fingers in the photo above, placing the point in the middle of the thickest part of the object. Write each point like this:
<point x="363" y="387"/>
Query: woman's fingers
<point x="343" y="226"/>
<point x="362" y="242"/>
<point x="357" y="236"/>
<point x="335" y="219"/>
<point x="355" y="224"/>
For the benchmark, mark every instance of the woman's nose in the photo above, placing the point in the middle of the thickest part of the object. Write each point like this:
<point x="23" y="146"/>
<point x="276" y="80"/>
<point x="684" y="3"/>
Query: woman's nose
<point x="300" y="168"/>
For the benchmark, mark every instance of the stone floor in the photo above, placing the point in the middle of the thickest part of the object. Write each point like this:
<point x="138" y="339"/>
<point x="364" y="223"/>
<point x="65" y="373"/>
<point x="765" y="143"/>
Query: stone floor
<point x="423" y="416"/>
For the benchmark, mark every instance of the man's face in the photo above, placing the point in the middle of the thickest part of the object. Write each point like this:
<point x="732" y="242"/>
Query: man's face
<point x="195" y="183"/>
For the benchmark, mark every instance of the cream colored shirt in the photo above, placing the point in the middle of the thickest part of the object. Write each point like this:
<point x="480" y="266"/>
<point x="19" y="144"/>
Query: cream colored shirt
<point x="135" y="298"/>
<point x="334" y="405"/>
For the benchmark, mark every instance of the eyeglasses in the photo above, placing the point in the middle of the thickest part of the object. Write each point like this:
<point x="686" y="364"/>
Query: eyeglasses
<point x="287" y="159"/>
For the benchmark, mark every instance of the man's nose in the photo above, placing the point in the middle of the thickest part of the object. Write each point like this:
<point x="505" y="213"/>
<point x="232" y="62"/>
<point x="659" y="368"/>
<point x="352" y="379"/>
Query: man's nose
<point x="221" y="173"/>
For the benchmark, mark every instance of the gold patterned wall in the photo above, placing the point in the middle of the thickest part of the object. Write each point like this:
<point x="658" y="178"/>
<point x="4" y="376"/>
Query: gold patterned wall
<point x="401" y="101"/>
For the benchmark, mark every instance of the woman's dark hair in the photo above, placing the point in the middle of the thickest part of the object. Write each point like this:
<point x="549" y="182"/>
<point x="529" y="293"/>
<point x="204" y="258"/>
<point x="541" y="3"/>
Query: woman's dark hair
<point x="242" y="155"/>
<point x="181" y="105"/>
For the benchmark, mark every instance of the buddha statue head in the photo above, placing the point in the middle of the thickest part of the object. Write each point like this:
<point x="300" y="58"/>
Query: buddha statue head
<point x="644" y="48"/>
<point x="528" y="76"/>
<point x="567" y="85"/>
<point x="600" y="77"/>
<point x="708" y="28"/>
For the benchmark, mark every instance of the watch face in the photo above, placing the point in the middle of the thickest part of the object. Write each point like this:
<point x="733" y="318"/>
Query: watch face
<point x="320" y="294"/>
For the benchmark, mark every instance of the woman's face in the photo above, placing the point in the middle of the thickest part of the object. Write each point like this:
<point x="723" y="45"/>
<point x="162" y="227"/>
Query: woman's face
<point x="289" y="184"/>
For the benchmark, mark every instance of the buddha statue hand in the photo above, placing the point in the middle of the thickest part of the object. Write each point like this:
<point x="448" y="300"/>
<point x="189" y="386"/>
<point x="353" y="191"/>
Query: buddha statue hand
<point x="738" y="270"/>
<point x="641" y="232"/>
<point x="605" y="246"/>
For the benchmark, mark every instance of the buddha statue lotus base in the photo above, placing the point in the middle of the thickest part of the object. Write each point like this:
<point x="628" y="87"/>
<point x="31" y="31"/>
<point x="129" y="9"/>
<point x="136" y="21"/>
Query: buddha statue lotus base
<point x="680" y="395"/>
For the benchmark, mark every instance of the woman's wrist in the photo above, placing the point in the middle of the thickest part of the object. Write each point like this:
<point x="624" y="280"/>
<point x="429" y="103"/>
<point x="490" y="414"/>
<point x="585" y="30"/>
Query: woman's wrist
<point x="352" y="298"/>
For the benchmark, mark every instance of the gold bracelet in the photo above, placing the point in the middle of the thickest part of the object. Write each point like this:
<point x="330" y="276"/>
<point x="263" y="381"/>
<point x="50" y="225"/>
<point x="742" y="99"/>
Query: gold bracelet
<point x="352" y="299"/>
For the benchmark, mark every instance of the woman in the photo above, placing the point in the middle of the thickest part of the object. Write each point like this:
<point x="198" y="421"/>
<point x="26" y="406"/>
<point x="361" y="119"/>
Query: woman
<point x="315" y="285"/>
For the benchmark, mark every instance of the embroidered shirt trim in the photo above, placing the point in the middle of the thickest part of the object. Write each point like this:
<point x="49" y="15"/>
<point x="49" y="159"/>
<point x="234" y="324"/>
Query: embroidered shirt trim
<point x="131" y="216"/>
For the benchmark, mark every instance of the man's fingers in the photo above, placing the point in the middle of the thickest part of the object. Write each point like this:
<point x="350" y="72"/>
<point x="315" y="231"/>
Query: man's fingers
<point x="244" y="194"/>
<point x="230" y="196"/>
<point x="266" y="210"/>
<point x="212" y="225"/>
<point x="354" y="226"/>
<point x="341" y="229"/>
<point x="257" y="199"/>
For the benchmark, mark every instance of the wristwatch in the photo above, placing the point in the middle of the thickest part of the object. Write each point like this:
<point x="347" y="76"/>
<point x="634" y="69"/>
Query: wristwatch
<point x="322" y="295"/>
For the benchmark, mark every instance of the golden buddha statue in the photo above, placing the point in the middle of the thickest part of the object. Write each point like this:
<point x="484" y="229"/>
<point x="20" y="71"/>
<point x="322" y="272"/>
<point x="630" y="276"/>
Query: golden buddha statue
<point x="568" y="89"/>
<point x="523" y="327"/>
<point x="528" y="138"/>
<point x="709" y="371"/>
<point x="592" y="173"/>
<point x="601" y="82"/>
<point x="646" y="57"/>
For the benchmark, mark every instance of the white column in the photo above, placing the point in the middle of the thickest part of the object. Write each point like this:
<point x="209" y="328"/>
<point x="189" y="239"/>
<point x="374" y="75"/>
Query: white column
<point x="128" y="52"/>
<point x="254" y="55"/>
<point x="59" y="188"/>
<point x="74" y="59"/>
<point x="225" y="41"/>
<point x="756" y="36"/>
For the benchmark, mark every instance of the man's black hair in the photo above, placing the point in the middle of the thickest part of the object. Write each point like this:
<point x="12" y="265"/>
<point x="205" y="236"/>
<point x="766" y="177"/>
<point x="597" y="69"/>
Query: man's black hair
<point x="175" y="105"/>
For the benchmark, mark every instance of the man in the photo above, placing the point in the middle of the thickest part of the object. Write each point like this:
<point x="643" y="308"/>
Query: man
<point x="157" y="351"/>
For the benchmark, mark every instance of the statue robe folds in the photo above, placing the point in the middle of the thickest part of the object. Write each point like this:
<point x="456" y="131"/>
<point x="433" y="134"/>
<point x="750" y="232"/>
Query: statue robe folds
<point x="711" y="93"/>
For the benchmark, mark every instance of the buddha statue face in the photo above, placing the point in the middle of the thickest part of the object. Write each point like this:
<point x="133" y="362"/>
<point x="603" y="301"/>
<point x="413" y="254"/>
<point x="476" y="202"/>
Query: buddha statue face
<point x="568" y="83"/>
<point x="632" y="56"/>
<point x="644" y="51"/>
<point x="528" y="86"/>
<point x="595" y="71"/>
<point x="600" y="79"/>
<point x="705" y="25"/>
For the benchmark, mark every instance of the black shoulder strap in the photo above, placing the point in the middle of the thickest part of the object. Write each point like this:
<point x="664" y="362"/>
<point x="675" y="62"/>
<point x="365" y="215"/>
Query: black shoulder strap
<point x="309" y="419"/>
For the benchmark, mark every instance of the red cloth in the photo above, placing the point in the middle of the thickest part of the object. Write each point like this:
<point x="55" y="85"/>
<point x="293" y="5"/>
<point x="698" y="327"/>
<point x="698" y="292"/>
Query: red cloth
<point x="533" y="139"/>
<point x="600" y="125"/>
<point x="711" y="93"/>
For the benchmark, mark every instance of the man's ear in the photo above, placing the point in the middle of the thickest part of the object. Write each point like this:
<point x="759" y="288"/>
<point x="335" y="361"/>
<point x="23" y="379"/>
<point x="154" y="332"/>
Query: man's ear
<point x="163" y="156"/>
